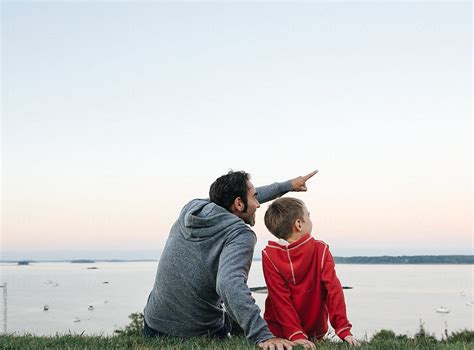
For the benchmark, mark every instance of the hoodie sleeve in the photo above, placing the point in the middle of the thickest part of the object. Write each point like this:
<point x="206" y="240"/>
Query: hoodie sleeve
<point x="283" y="310"/>
<point x="335" y="297"/>
<point x="275" y="190"/>
<point x="231" y="285"/>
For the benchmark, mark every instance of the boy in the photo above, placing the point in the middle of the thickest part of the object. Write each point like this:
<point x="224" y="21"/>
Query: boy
<point x="303" y="289"/>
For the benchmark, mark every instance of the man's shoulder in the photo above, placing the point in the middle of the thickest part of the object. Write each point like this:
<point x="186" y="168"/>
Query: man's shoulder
<point x="243" y="232"/>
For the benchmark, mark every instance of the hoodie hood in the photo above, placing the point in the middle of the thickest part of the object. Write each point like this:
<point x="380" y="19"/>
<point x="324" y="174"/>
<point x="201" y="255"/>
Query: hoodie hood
<point x="293" y="261"/>
<point x="201" y="219"/>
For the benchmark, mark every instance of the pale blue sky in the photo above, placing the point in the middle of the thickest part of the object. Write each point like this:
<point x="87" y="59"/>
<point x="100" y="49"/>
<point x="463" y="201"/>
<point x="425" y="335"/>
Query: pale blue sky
<point x="115" y="114"/>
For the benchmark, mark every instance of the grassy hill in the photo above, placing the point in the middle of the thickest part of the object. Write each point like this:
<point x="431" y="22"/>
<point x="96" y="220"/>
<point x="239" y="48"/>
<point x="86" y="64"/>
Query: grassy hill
<point x="138" y="342"/>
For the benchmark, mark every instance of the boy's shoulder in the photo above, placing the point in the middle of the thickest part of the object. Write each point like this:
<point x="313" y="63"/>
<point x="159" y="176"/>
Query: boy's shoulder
<point x="321" y="243"/>
<point x="320" y="247"/>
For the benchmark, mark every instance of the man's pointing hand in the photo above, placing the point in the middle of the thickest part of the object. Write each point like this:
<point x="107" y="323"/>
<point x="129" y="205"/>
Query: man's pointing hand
<point x="299" y="183"/>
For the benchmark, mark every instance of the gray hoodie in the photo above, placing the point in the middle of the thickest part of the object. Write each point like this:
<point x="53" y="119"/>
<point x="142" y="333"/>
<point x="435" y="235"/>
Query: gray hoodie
<point x="205" y="263"/>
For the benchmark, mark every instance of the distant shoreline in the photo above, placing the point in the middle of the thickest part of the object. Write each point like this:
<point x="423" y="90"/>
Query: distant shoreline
<point x="364" y="260"/>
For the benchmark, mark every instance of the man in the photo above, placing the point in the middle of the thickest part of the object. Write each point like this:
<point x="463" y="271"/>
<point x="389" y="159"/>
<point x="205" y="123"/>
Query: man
<point x="205" y="264"/>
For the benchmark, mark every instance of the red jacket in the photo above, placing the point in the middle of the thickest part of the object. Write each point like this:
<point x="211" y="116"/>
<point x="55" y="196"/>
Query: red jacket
<point x="302" y="290"/>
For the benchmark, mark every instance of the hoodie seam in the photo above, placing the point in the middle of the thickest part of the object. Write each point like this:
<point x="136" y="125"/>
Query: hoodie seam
<point x="266" y="254"/>
<point x="299" y="245"/>
<point x="291" y="266"/>
<point x="322" y="242"/>
<point x="322" y="259"/>
<point x="298" y="332"/>
<point x="343" y="329"/>
<point x="286" y="247"/>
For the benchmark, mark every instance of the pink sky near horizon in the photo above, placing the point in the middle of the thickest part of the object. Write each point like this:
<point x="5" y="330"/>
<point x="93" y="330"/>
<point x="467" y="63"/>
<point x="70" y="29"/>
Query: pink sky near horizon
<point x="111" y="124"/>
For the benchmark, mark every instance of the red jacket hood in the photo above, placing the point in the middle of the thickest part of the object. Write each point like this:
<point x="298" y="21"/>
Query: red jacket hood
<point x="292" y="261"/>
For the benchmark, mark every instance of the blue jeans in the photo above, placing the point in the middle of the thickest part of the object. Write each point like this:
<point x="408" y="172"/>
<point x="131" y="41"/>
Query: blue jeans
<point x="224" y="332"/>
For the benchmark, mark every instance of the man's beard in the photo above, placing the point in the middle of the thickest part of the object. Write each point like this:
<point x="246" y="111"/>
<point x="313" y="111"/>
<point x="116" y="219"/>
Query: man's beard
<point x="251" y="221"/>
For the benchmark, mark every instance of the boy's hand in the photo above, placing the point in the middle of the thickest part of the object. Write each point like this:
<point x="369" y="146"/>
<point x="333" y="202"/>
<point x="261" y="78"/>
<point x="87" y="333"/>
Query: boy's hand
<point x="351" y="340"/>
<point x="276" y="344"/>
<point x="306" y="344"/>
<point x="298" y="184"/>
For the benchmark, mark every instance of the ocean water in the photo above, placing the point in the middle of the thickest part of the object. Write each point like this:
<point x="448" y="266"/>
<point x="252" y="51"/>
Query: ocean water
<point x="396" y="297"/>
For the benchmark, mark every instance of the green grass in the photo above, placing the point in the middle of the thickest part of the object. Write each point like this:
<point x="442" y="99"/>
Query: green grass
<point x="137" y="342"/>
<point x="130" y="338"/>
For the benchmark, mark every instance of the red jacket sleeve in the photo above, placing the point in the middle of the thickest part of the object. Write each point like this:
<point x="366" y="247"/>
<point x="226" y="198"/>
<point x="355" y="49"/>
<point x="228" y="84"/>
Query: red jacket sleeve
<point x="279" y="294"/>
<point x="335" y="297"/>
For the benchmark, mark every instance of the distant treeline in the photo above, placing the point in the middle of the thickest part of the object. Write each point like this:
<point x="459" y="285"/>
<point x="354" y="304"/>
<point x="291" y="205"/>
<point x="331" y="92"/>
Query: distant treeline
<point x="416" y="259"/>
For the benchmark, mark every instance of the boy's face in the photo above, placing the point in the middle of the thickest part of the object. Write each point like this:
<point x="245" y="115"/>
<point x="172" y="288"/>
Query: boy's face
<point x="306" y="224"/>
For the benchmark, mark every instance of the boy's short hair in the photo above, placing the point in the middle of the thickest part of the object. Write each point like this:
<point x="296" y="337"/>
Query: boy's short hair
<point x="282" y="214"/>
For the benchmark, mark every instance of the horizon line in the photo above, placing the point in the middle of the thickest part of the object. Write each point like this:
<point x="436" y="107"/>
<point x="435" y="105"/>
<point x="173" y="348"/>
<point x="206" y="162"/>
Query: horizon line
<point x="89" y="260"/>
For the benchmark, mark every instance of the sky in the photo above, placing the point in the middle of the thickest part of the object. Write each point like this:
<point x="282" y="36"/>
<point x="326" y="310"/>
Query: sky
<point x="116" y="114"/>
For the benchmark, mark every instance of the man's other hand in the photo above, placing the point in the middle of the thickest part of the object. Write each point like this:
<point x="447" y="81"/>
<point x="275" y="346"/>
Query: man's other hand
<point x="299" y="183"/>
<point x="276" y="344"/>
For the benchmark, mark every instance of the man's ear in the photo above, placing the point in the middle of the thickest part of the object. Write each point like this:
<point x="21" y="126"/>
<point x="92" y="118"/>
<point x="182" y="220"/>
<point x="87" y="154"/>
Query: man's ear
<point x="239" y="204"/>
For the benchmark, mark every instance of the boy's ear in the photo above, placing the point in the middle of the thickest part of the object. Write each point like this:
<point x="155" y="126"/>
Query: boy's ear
<point x="298" y="225"/>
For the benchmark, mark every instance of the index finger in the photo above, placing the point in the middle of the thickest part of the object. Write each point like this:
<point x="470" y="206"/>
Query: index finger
<point x="310" y="175"/>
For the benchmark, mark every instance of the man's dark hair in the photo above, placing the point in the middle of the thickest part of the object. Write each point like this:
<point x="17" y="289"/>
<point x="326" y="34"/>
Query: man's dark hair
<point x="228" y="187"/>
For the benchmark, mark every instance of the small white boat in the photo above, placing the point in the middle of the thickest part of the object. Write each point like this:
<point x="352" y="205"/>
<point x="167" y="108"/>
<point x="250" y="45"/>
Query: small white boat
<point x="442" y="310"/>
<point x="471" y="303"/>
<point x="46" y="308"/>
<point x="90" y="308"/>
<point x="52" y="283"/>
<point x="76" y="320"/>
